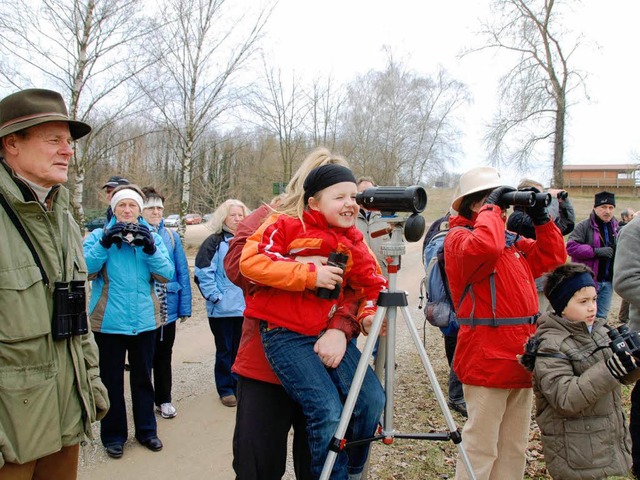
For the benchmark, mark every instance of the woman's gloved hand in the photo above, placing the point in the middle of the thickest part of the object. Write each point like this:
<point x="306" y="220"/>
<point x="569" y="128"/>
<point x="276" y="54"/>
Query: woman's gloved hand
<point x="112" y="235"/>
<point x="148" y="243"/>
<point x="495" y="197"/>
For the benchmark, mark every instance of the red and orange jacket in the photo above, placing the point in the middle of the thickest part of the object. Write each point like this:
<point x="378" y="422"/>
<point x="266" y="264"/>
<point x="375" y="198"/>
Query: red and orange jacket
<point x="477" y="257"/>
<point x="251" y="361"/>
<point x="287" y="297"/>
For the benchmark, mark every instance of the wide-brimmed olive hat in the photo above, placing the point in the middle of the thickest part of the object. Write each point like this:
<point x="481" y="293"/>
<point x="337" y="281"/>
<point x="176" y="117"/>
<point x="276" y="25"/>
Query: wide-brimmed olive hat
<point x="34" y="106"/>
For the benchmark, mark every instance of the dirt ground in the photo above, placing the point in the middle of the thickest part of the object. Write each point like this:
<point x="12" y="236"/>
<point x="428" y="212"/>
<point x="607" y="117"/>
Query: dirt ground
<point x="197" y="443"/>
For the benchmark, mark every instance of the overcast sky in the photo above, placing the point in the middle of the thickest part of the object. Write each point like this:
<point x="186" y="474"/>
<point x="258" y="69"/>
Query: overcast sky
<point x="345" y="38"/>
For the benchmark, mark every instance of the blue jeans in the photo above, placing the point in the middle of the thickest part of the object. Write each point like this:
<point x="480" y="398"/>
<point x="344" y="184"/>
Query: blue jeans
<point x="605" y="292"/>
<point x="321" y="391"/>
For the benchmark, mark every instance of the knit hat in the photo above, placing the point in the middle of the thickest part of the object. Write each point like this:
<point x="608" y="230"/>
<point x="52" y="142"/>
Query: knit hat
<point x="604" y="198"/>
<point x="322" y="177"/>
<point x="559" y="297"/>
<point x="126" y="193"/>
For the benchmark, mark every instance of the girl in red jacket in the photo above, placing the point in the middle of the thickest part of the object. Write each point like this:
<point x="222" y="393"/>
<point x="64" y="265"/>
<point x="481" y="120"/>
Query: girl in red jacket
<point x="283" y="258"/>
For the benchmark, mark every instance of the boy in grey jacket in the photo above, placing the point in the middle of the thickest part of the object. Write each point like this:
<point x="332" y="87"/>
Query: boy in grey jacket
<point x="576" y="382"/>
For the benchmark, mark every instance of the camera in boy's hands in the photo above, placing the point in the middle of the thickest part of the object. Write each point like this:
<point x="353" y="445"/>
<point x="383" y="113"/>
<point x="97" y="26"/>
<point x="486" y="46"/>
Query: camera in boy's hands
<point x="625" y="345"/>
<point x="335" y="260"/>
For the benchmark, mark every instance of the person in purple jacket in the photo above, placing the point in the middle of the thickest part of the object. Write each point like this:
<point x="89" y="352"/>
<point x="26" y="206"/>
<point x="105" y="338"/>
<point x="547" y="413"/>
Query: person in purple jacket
<point x="593" y="243"/>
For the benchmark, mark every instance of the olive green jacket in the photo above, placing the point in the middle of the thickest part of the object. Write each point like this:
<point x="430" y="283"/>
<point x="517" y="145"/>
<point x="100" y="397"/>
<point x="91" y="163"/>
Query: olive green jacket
<point x="50" y="391"/>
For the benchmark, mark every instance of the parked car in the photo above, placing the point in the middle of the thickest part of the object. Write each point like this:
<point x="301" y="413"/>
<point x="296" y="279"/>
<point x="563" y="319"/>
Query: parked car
<point x="192" y="219"/>
<point x="172" y="221"/>
<point x="97" y="222"/>
<point x="207" y="217"/>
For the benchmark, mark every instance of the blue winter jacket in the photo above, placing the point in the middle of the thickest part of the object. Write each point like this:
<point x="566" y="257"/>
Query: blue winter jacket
<point x="179" y="287"/>
<point x="224" y="298"/>
<point x="123" y="298"/>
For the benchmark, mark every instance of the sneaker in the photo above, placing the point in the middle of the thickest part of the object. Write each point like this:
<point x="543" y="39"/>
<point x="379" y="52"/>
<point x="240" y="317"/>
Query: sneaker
<point x="167" y="410"/>
<point x="229" y="401"/>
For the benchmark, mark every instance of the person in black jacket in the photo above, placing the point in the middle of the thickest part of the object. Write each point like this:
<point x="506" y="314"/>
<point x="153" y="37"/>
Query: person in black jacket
<point x="560" y="209"/>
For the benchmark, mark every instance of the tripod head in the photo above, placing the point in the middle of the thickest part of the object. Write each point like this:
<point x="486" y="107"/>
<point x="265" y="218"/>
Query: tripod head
<point x="399" y="228"/>
<point x="410" y="228"/>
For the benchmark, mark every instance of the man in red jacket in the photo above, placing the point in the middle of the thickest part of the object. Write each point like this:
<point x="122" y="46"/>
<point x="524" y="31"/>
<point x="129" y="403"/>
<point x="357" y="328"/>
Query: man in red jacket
<point x="491" y="275"/>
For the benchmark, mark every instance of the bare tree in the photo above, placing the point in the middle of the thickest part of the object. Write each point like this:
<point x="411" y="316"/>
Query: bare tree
<point x="87" y="50"/>
<point x="280" y="108"/>
<point x="400" y="127"/>
<point x="534" y="92"/>
<point x="326" y="104"/>
<point x="200" y="49"/>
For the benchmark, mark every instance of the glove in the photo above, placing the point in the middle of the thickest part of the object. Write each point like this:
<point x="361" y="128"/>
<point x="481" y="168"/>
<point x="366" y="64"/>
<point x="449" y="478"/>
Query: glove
<point x="495" y="197"/>
<point x="101" y="398"/>
<point x="112" y="235"/>
<point x="603" y="252"/>
<point x="538" y="213"/>
<point x="621" y="364"/>
<point x="148" y="243"/>
<point x="183" y="319"/>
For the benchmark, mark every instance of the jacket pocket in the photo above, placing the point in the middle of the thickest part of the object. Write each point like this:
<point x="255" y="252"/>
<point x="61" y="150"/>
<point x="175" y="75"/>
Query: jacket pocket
<point x="29" y="412"/>
<point x="27" y="312"/>
<point x="173" y="287"/>
<point x="588" y="442"/>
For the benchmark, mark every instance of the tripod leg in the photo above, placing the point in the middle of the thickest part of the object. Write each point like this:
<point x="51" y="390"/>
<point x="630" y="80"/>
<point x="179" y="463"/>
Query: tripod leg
<point x="354" y="391"/>
<point x="437" y="390"/>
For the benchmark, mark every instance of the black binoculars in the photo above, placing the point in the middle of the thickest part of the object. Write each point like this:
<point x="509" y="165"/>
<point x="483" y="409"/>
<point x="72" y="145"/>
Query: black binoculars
<point x="335" y="260"/>
<point x="69" y="310"/>
<point x="562" y="195"/>
<point x="624" y="340"/>
<point x="129" y="228"/>
<point x="525" y="198"/>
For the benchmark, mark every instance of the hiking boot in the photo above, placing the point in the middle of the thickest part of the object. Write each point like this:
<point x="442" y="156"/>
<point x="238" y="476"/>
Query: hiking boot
<point x="461" y="408"/>
<point x="229" y="401"/>
<point x="167" y="410"/>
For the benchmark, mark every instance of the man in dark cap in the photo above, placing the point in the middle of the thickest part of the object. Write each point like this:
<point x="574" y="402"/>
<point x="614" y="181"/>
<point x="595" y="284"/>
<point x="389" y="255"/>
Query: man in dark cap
<point x="593" y="243"/>
<point x="109" y="187"/>
<point x="51" y="391"/>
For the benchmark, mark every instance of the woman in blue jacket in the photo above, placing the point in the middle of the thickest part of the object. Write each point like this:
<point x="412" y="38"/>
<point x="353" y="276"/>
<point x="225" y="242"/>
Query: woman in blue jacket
<point x="176" y="303"/>
<point x="225" y="301"/>
<point x="124" y="260"/>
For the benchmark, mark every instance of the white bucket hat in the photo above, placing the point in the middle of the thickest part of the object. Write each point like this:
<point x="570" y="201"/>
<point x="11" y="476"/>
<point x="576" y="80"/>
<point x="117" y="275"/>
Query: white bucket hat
<point x="476" y="180"/>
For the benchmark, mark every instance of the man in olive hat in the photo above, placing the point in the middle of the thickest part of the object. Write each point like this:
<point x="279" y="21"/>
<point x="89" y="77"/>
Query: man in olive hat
<point x="593" y="243"/>
<point x="51" y="391"/>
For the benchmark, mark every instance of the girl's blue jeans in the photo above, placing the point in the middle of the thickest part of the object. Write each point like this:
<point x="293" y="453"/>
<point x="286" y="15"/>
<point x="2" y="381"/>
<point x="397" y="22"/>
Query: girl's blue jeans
<point x="321" y="391"/>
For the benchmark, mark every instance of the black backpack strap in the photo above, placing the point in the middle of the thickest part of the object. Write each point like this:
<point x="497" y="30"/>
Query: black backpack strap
<point x="16" y="221"/>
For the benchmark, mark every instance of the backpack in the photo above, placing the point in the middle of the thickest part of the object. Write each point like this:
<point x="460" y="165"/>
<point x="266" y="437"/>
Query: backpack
<point x="434" y="287"/>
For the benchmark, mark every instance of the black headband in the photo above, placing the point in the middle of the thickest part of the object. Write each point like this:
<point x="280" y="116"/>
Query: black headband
<point x="559" y="297"/>
<point x="322" y="177"/>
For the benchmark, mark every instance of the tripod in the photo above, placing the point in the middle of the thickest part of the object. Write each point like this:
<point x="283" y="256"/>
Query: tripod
<point x="388" y="303"/>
